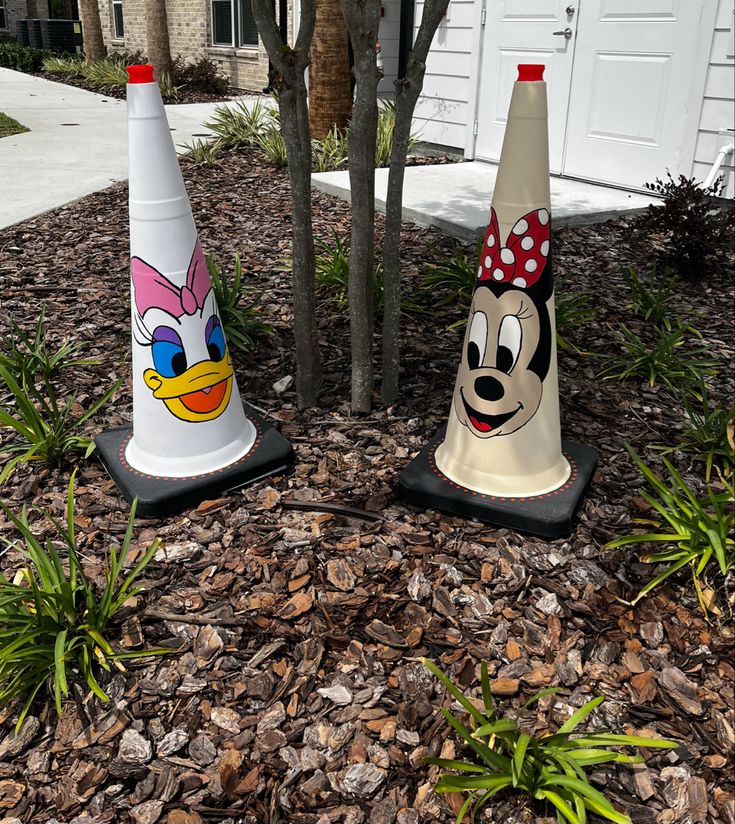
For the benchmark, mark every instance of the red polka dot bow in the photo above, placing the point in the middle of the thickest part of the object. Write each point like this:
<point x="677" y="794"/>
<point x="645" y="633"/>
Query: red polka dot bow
<point x="522" y="261"/>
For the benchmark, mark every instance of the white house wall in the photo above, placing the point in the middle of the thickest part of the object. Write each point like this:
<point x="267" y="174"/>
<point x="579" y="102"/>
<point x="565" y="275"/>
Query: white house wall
<point x="718" y="106"/>
<point x="444" y="109"/>
<point x="388" y="34"/>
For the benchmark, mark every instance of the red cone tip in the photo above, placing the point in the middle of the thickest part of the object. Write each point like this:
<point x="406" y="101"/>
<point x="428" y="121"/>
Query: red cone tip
<point x="530" y="71"/>
<point x="140" y="74"/>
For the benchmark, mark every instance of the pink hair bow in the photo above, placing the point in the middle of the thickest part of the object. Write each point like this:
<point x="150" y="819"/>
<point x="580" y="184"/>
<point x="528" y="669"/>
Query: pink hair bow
<point x="152" y="289"/>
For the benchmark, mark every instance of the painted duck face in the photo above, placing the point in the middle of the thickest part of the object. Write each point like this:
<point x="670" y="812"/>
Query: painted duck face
<point x="191" y="370"/>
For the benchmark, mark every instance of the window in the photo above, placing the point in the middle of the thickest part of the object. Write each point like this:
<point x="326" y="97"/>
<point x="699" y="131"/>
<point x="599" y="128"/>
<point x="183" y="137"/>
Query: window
<point x="117" y="17"/>
<point x="233" y="23"/>
<point x="3" y="21"/>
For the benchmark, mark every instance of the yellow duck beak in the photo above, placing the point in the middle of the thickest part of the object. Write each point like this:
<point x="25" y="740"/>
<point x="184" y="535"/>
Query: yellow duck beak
<point x="199" y="394"/>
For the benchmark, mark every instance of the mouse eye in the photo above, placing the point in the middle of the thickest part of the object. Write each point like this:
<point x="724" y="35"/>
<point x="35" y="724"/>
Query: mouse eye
<point x="510" y="338"/>
<point x="477" y="340"/>
<point x="169" y="359"/>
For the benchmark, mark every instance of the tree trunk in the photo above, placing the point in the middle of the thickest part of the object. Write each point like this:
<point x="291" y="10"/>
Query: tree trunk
<point x="94" y="45"/>
<point x="408" y="89"/>
<point x="363" y="17"/>
<point x="289" y="65"/>
<point x="156" y="27"/>
<point x="330" y="97"/>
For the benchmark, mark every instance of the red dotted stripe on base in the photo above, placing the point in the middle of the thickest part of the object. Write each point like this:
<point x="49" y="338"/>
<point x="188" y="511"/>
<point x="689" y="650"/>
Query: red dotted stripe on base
<point x="228" y="468"/>
<point x="435" y="469"/>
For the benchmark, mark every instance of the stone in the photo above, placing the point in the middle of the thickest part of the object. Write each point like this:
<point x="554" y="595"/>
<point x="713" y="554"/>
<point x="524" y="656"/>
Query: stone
<point x="202" y="750"/>
<point x="362" y="780"/>
<point x="549" y="604"/>
<point x="172" y="742"/>
<point x="134" y="749"/>
<point x="338" y="694"/>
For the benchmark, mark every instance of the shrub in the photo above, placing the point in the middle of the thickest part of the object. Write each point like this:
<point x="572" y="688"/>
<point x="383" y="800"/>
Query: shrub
<point x="550" y="768"/>
<point x="666" y="359"/>
<point x="238" y="126"/>
<point x="203" y="75"/>
<point x="22" y="58"/>
<point x="53" y="625"/>
<point x="242" y="325"/>
<point x="701" y="529"/>
<point x="202" y="152"/>
<point x="693" y="233"/>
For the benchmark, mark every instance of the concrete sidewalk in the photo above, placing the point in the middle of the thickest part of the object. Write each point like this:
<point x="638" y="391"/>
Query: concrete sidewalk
<point x="77" y="143"/>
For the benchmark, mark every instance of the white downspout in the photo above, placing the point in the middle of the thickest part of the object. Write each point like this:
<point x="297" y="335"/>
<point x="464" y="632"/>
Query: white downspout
<point x="719" y="160"/>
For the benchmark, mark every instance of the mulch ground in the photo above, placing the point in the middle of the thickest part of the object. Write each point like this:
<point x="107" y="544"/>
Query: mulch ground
<point x="297" y="695"/>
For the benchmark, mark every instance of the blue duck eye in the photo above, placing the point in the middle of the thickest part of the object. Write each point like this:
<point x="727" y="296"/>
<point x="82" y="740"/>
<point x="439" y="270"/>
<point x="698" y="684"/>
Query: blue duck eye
<point x="169" y="358"/>
<point x="215" y="339"/>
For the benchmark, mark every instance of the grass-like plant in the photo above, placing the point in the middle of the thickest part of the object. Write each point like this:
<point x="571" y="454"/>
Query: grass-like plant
<point x="696" y="531"/>
<point x="239" y="126"/>
<point x="550" y="768"/>
<point x="242" y="324"/>
<point x="384" y="134"/>
<point x="202" y="152"/>
<point x="655" y="299"/>
<point x="49" y="428"/>
<point x="53" y="624"/>
<point x="273" y="146"/>
<point x="709" y="436"/>
<point x="68" y="66"/>
<point x="26" y="356"/>
<point x="330" y="152"/>
<point x="452" y="277"/>
<point x="333" y="275"/>
<point x="668" y="359"/>
<point x="572" y="310"/>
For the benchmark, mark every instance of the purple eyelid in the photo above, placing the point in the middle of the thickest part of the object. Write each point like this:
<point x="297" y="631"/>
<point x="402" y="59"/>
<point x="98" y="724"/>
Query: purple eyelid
<point x="165" y="333"/>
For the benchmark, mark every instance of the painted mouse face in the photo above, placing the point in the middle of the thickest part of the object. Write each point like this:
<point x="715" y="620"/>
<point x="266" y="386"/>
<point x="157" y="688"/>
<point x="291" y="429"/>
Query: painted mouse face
<point x="507" y="347"/>
<point x="191" y="369"/>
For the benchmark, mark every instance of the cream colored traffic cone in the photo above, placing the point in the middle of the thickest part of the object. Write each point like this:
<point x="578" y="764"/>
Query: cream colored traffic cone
<point x="189" y="425"/>
<point x="503" y="447"/>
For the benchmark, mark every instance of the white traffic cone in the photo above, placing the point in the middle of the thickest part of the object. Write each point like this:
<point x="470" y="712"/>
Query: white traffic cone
<point x="502" y="459"/>
<point x="190" y="432"/>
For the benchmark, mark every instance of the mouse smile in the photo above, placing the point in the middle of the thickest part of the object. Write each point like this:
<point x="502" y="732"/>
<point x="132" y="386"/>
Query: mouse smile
<point x="486" y="423"/>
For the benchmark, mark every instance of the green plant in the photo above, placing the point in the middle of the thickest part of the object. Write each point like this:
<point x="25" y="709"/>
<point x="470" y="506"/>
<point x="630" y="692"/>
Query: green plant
<point x="699" y="528"/>
<point x="48" y="427"/>
<point x="384" y="135"/>
<point x="70" y="66"/>
<point x="273" y="145"/>
<point x="693" y="232"/>
<point x="655" y="299"/>
<point x="22" y="58"/>
<point x="667" y="359"/>
<point x="549" y="768"/>
<point x="202" y="75"/>
<point x="242" y="325"/>
<point x="202" y="152"/>
<point x="53" y="624"/>
<point x="572" y="310"/>
<point x="26" y="357"/>
<point x="330" y="153"/>
<point x="109" y="72"/>
<point x="709" y="434"/>
<point x="239" y="126"/>
<point x="453" y="276"/>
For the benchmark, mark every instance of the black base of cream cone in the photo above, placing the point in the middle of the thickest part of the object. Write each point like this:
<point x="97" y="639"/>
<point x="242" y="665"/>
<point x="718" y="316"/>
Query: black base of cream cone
<point x="159" y="495"/>
<point x="550" y="515"/>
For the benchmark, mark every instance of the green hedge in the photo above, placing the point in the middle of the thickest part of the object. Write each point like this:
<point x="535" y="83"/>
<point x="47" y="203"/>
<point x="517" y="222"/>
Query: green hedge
<point x="22" y="58"/>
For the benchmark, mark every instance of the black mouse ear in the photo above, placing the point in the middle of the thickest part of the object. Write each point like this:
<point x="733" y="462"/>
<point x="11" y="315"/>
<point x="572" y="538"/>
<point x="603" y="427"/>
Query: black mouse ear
<point x="543" y="288"/>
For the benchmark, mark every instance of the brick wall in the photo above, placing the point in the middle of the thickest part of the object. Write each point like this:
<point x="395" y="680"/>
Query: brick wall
<point x="189" y="26"/>
<point x="15" y="10"/>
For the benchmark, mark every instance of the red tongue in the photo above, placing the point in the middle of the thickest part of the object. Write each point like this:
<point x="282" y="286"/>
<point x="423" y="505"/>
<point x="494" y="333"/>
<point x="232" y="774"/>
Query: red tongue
<point x="480" y="426"/>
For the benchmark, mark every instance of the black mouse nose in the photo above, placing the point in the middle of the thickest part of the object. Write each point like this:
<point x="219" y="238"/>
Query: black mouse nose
<point x="489" y="389"/>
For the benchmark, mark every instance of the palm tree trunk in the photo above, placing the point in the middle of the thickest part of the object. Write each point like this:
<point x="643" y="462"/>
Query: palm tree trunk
<point x="94" y="45"/>
<point x="330" y="98"/>
<point x="156" y="26"/>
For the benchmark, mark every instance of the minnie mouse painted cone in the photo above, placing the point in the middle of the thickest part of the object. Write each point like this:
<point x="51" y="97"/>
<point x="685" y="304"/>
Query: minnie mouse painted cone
<point x="190" y="436"/>
<point x="501" y="458"/>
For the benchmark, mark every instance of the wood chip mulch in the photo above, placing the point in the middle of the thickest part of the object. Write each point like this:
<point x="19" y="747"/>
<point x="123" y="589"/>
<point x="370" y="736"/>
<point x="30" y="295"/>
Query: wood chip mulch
<point x="297" y="696"/>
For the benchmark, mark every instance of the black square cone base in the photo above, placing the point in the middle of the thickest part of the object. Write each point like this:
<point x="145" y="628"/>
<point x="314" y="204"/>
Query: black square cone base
<point x="550" y="515"/>
<point x="161" y="495"/>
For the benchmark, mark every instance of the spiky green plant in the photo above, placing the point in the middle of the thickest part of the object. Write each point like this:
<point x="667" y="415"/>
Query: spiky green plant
<point x="70" y="66"/>
<point x="273" y="145"/>
<point x="696" y="531"/>
<point x="330" y="152"/>
<point x="655" y="299"/>
<point x="549" y="768"/>
<point x="242" y="324"/>
<point x="239" y="126"/>
<point x="202" y="152"/>
<point x="572" y="310"/>
<point x="384" y="134"/>
<point x="53" y="624"/>
<point x="451" y="277"/>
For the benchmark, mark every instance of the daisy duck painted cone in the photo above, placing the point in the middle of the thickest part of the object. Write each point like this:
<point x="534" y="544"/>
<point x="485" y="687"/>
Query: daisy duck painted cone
<point x="501" y="458"/>
<point x="190" y="436"/>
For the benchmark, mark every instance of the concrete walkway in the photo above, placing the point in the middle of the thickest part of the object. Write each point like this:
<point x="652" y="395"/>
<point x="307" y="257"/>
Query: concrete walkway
<point x="455" y="197"/>
<point x="77" y="143"/>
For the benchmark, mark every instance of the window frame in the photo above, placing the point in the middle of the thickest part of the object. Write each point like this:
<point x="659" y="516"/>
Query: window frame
<point x="236" y="27"/>
<point x="118" y="35"/>
<point x="3" y="16"/>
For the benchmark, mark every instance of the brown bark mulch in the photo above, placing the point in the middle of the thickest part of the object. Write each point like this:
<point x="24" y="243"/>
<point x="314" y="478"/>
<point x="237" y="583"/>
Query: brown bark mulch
<point x="296" y="696"/>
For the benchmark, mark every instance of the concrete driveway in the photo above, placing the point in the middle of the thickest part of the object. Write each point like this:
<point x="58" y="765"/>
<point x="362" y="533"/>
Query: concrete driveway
<point x="77" y="143"/>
